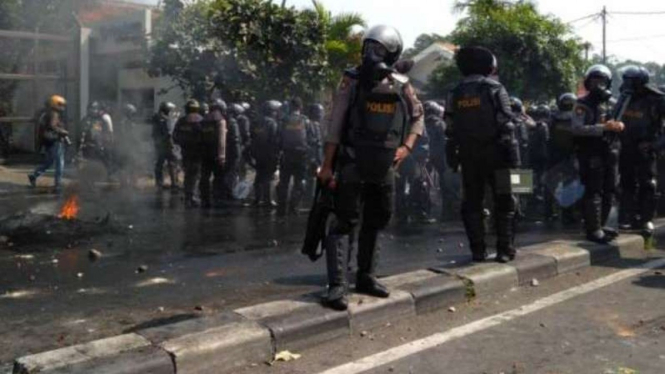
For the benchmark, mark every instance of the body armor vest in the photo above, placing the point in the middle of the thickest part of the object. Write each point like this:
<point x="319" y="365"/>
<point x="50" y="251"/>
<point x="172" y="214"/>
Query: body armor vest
<point x="294" y="133"/>
<point x="642" y="123"/>
<point x="561" y="135"/>
<point x="475" y="115"/>
<point x="210" y="128"/>
<point x="188" y="131"/>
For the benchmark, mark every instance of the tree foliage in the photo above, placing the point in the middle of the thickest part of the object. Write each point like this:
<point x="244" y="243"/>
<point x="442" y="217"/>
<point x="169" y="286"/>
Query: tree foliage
<point x="538" y="59"/>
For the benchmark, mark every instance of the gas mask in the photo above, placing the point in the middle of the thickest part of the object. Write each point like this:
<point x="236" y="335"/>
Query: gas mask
<point x="599" y="88"/>
<point x="373" y="68"/>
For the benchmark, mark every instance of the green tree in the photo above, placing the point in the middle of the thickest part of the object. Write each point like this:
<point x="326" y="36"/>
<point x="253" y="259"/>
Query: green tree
<point x="538" y="59"/>
<point x="343" y="45"/>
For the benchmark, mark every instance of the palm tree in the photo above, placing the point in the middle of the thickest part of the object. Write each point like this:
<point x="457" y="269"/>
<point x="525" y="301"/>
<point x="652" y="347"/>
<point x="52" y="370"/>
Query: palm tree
<point x="343" y="44"/>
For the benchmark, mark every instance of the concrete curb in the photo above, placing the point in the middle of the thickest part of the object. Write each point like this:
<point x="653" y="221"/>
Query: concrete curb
<point x="227" y="341"/>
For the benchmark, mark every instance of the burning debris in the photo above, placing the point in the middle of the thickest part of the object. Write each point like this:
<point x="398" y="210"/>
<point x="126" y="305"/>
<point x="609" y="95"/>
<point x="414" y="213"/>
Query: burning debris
<point x="61" y="229"/>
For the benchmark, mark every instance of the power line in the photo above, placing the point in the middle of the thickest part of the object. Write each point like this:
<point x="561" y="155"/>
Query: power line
<point x="583" y="18"/>
<point x="638" y="13"/>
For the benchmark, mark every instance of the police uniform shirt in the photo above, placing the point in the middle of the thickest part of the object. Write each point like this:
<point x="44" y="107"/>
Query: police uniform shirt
<point x="342" y="100"/>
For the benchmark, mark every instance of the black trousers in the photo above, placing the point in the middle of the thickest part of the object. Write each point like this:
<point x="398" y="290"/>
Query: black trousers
<point x="293" y="166"/>
<point x="599" y="172"/>
<point x="638" y="183"/>
<point x="165" y="156"/>
<point x="191" y="164"/>
<point x="352" y="194"/>
<point x="265" y="170"/>
<point x="210" y="168"/>
<point x="479" y="169"/>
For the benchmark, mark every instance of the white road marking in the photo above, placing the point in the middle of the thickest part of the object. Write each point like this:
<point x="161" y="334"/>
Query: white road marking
<point x="402" y="351"/>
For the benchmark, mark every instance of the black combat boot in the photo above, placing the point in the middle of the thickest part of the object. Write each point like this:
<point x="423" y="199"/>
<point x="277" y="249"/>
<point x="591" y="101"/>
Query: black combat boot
<point x="368" y="258"/>
<point x="336" y="261"/>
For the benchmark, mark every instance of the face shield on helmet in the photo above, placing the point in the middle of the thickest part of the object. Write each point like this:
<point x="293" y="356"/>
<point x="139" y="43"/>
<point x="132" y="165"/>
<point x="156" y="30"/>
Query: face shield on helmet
<point x="166" y="108"/>
<point x="192" y="106"/>
<point x="566" y="102"/>
<point x="94" y="109"/>
<point x="386" y="36"/>
<point x="598" y="81"/>
<point x="634" y="78"/>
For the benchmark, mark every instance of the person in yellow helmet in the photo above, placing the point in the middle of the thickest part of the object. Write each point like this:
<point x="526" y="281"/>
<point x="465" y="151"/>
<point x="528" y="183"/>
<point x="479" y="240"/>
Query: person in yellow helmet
<point x="52" y="137"/>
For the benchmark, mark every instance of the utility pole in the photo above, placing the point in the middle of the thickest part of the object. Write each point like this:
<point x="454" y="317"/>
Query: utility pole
<point x="603" y="16"/>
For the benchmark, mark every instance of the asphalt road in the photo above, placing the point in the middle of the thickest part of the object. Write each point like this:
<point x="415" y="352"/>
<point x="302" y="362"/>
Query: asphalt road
<point x="53" y="295"/>
<point x="601" y="320"/>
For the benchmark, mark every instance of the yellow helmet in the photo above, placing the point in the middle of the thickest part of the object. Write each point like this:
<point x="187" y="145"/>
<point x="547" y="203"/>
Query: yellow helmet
<point x="57" y="102"/>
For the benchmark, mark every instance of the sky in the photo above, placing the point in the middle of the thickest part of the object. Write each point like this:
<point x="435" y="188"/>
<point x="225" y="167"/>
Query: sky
<point x="636" y="37"/>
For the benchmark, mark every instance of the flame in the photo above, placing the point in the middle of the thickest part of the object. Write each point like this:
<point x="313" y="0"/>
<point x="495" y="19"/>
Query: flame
<point x="70" y="209"/>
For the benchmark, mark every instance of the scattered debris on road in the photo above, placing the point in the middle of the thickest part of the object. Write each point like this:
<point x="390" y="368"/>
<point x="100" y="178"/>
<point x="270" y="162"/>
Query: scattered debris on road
<point x="535" y="282"/>
<point x="285" y="356"/>
<point x="142" y="269"/>
<point x="94" y="255"/>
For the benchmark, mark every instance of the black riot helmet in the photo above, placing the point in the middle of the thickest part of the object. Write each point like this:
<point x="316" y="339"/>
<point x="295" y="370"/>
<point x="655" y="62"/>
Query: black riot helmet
<point x="598" y="81"/>
<point x="272" y="107"/>
<point x="566" y="102"/>
<point x="544" y="111"/>
<point x="235" y="110"/>
<point x="192" y="106"/>
<point x="476" y="61"/>
<point x="205" y="109"/>
<point x="218" y="104"/>
<point x="516" y="105"/>
<point x="94" y="108"/>
<point x="433" y="109"/>
<point x="166" y="107"/>
<point x="129" y="110"/>
<point x="634" y="78"/>
<point x="387" y="37"/>
<point x="317" y="112"/>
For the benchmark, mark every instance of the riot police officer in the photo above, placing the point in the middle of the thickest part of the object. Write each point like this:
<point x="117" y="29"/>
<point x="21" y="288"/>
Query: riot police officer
<point x="436" y="132"/>
<point x="126" y="146"/>
<point x="244" y="126"/>
<point x="523" y="124"/>
<point x="385" y="119"/>
<point x="561" y="149"/>
<point x="162" y="136"/>
<point x="264" y="153"/>
<point x="482" y="141"/>
<point x="96" y="141"/>
<point x="643" y="118"/>
<point x="233" y="151"/>
<point x="187" y="134"/>
<point x="213" y="144"/>
<point x="316" y="114"/>
<point x="538" y="155"/>
<point x="598" y="151"/>
<point x="294" y="146"/>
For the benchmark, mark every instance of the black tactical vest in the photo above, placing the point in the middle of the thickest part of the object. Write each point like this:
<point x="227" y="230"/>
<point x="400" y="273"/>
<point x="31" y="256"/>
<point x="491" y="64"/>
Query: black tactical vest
<point x="210" y="128"/>
<point x="377" y="120"/>
<point x="294" y="133"/>
<point x="475" y="112"/>
<point x="595" y="114"/>
<point x="641" y="120"/>
<point x="561" y="135"/>
<point x="188" y="130"/>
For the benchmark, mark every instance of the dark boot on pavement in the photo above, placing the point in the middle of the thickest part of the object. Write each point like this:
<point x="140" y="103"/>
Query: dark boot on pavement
<point x="336" y="298"/>
<point x="598" y="236"/>
<point x="369" y="285"/>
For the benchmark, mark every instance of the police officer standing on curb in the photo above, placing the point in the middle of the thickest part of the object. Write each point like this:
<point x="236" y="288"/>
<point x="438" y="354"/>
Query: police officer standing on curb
<point x="376" y="120"/>
<point x="213" y="143"/>
<point x="264" y="153"/>
<point x="482" y="141"/>
<point x="598" y="151"/>
<point x="162" y="136"/>
<point x="187" y="134"/>
<point x="644" y="126"/>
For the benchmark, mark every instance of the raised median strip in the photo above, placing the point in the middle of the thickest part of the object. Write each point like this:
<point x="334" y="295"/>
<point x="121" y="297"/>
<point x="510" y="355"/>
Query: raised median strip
<point x="225" y="342"/>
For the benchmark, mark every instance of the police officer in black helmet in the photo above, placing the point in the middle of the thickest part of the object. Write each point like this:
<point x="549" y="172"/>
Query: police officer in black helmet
<point x="561" y="150"/>
<point x="187" y="134"/>
<point x="639" y="145"/>
<point x="482" y="141"/>
<point x="162" y="136"/>
<point x="264" y="152"/>
<point x="598" y="151"/>
<point x="233" y="151"/>
<point x="375" y="122"/>
<point x="315" y="136"/>
<point x="436" y="131"/>
<point x="213" y="150"/>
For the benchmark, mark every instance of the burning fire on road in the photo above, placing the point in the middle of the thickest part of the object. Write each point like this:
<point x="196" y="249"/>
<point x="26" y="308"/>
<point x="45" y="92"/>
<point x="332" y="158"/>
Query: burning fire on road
<point x="71" y="208"/>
